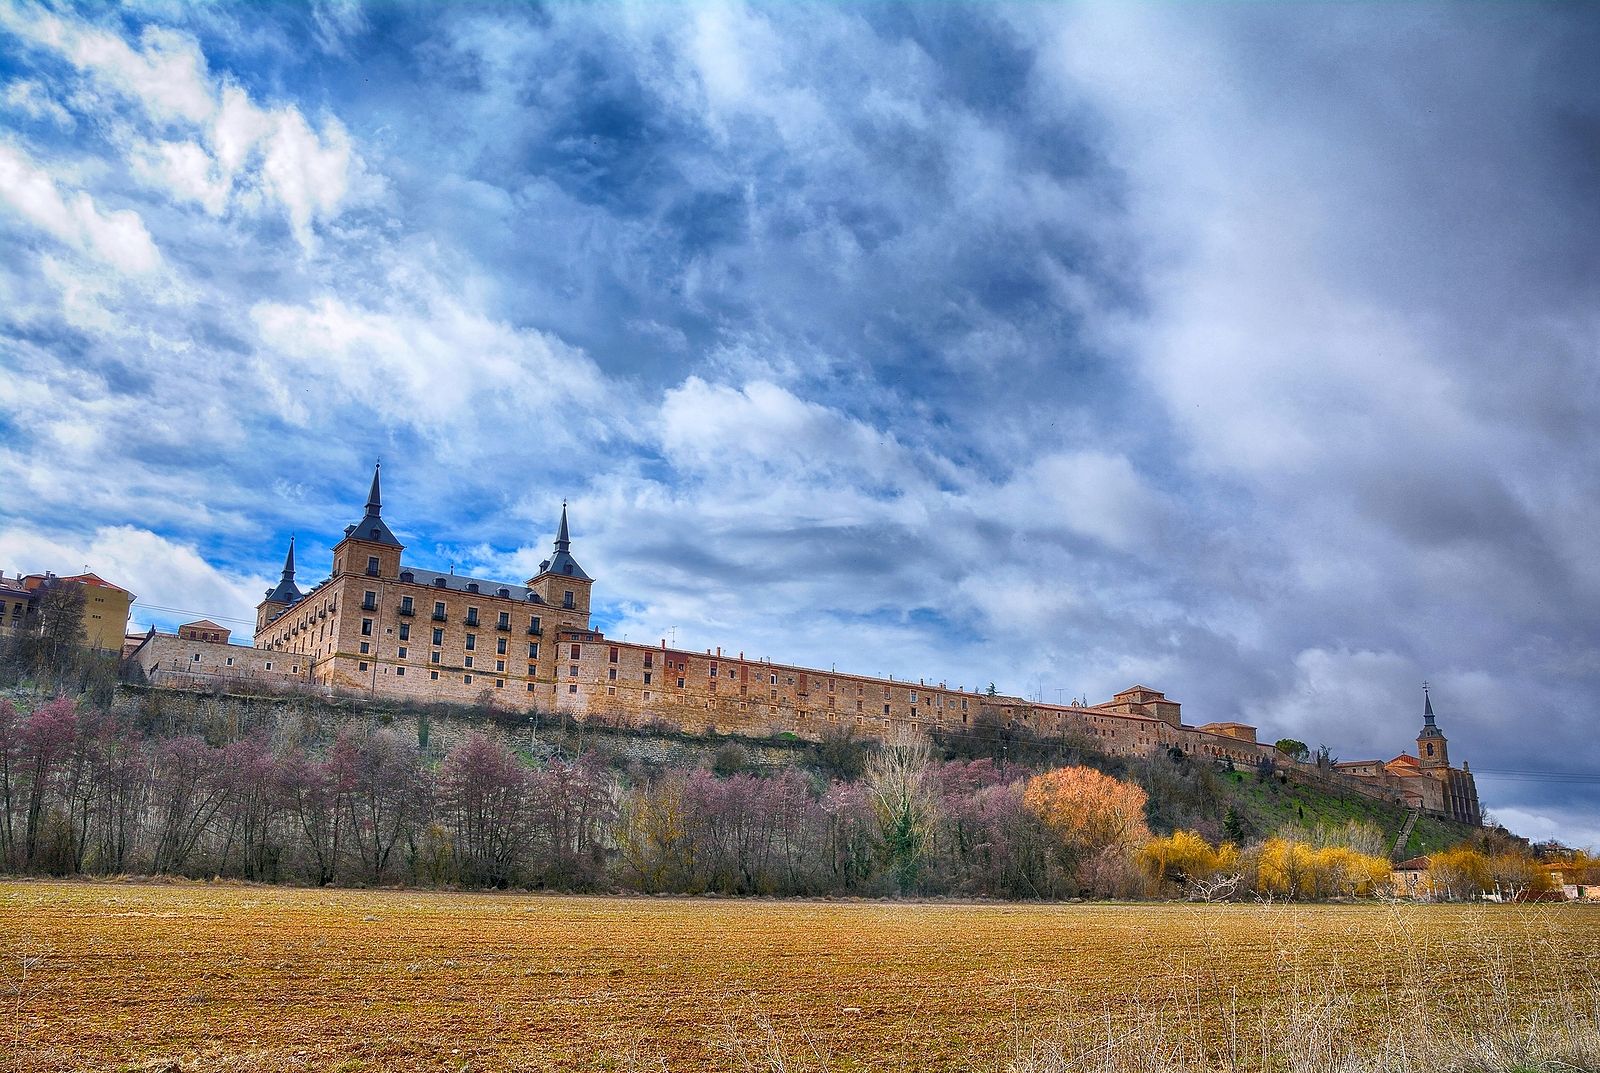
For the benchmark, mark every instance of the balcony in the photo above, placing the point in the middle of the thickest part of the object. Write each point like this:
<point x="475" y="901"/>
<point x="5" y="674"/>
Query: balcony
<point x="535" y="631"/>
<point x="407" y="611"/>
<point x="440" y="616"/>
<point x="472" y="620"/>
<point x="369" y="605"/>
<point x="506" y="626"/>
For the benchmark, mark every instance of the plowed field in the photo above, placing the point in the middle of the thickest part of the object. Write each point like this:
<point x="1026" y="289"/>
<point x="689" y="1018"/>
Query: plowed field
<point x="102" y="975"/>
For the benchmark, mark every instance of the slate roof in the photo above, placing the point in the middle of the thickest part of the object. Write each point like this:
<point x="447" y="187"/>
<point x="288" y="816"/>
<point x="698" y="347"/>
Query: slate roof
<point x="286" y="591"/>
<point x="462" y="583"/>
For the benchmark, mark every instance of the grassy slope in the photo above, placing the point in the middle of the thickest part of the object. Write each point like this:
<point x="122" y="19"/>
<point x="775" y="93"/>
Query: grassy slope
<point x="1270" y="805"/>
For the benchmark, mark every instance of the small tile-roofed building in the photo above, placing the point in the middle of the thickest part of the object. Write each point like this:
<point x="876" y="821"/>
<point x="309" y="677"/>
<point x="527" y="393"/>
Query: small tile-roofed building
<point x="204" y="630"/>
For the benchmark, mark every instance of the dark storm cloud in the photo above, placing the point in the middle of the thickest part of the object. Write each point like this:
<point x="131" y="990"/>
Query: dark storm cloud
<point x="1246" y="351"/>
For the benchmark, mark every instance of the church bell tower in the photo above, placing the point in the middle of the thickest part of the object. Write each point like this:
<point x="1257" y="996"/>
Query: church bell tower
<point x="1432" y="749"/>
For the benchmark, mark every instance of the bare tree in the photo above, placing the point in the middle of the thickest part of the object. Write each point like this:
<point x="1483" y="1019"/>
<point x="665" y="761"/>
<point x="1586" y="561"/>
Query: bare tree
<point x="188" y="789"/>
<point x="57" y="629"/>
<point x="482" y="794"/>
<point x="387" y="798"/>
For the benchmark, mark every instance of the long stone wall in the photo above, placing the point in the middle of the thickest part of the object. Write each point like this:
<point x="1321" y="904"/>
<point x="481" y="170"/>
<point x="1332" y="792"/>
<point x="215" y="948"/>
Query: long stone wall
<point x="622" y="686"/>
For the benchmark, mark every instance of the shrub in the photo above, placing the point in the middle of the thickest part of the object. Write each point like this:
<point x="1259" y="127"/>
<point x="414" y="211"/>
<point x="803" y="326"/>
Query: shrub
<point x="1184" y="858"/>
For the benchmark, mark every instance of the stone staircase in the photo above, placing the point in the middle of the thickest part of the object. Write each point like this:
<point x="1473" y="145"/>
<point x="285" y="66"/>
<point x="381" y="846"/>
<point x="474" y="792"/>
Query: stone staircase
<point x="1398" y="853"/>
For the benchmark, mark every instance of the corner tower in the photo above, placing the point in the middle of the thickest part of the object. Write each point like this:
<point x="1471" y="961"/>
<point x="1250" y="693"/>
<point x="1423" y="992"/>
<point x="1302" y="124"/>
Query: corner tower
<point x="561" y="582"/>
<point x="368" y="547"/>
<point x="282" y="597"/>
<point x="1432" y="748"/>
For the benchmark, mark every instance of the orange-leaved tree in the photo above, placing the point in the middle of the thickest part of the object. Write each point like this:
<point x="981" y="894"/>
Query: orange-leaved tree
<point x="1097" y="820"/>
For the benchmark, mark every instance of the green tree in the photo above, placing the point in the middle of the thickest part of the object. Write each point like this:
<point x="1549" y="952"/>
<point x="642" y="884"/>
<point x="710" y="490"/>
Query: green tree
<point x="1297" y="750"/>
<point x="1233" y="826"/>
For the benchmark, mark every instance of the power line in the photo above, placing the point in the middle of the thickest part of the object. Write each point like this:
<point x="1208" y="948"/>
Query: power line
<point x="1539" y="776"/>
<point x="191" y="611"/>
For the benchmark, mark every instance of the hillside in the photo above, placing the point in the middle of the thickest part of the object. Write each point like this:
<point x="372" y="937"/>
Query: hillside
<point x="1271" y="805"/>
<point x="1184" y="792"/>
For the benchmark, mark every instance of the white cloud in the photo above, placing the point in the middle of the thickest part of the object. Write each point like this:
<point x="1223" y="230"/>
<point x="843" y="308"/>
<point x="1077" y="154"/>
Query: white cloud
<point x="185" y="169"/>
<point x="1573" y="826"/>
<point x="336" y="21"/>
<point x="30" y="98"/>
<point x="117" y="237"/>
<point x="763" y="427"/>
<point x="435" y="365"/>
<point x="1091" y="493"/>
<point x="1356" y="700"/>
<point x="236" y="153"/>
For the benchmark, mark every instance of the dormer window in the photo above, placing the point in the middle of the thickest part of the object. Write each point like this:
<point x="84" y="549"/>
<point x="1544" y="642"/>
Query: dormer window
<point x="406" y="575"/>
<point x="472" y="586"/>
<point x="438" y="582"/>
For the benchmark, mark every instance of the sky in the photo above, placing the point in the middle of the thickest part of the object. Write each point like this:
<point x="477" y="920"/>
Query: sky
<point x="1245" y="352"/>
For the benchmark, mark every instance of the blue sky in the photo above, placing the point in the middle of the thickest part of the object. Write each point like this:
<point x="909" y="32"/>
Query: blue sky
<point x="1247" y="352"/>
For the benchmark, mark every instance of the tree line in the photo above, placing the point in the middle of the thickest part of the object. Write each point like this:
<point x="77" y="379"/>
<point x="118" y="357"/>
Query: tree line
<point x="83" y="790"/>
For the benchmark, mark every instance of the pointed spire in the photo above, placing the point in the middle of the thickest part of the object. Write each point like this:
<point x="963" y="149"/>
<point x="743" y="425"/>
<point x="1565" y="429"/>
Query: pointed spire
<point x="562" y="561"/>
<point x="371" y="528"/>
<point x="1429" y="728"/>
<point x="286" y="591"/>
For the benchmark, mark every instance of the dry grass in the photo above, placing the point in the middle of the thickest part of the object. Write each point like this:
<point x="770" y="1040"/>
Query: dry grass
<point x="202" y="977"/>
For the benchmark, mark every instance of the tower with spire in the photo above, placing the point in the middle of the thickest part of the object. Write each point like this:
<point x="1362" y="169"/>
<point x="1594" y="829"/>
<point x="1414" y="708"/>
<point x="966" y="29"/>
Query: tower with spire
<point x="280" y="597"/>
<point x="368" y="547"/>
<point x="561" y="582"/>
<point x="1432" y="748"/>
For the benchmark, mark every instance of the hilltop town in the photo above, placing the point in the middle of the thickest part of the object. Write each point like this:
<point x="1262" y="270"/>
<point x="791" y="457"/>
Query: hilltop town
<point x="381" y="627"/>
